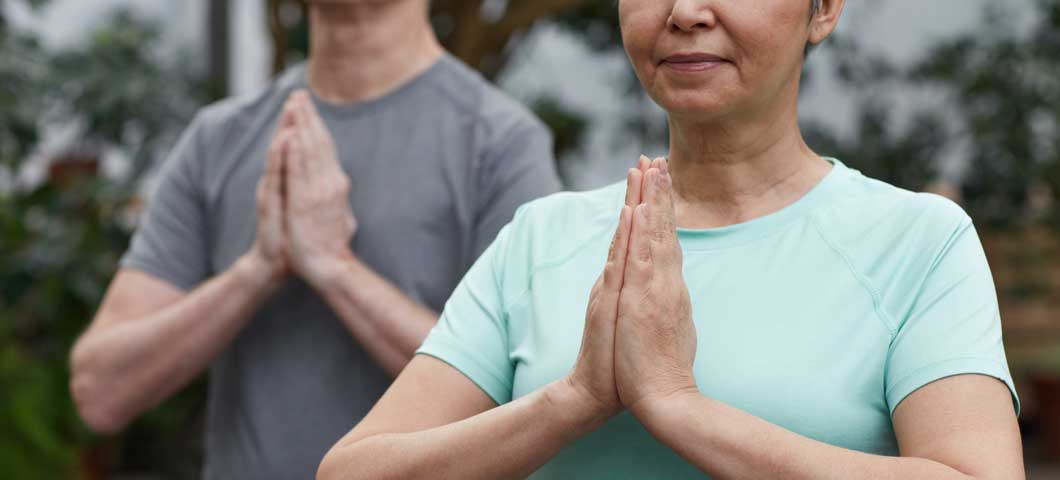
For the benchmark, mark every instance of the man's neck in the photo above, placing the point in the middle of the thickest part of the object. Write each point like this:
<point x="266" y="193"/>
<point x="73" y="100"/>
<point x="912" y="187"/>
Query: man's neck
<point x="734" y="170"/>
<point x="363" y="51"/>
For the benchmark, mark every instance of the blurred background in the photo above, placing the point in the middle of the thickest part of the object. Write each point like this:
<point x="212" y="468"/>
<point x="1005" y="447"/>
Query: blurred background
<point x="958" y="97"/>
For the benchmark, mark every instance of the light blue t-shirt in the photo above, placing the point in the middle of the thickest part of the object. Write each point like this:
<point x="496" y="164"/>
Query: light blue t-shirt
<point x="819" y="318"/>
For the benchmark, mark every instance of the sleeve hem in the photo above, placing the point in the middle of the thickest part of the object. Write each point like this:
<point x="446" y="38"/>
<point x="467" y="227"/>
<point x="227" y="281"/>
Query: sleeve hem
<point x="158" y="272"/>
<point x="898" y="391"/>
<point x="489" y="382"/>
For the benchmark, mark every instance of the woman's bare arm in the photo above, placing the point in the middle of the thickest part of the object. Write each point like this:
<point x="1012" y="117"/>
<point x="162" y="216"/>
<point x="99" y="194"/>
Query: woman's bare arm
<point x="434" y="423"/>
<point x="961" y="427"/>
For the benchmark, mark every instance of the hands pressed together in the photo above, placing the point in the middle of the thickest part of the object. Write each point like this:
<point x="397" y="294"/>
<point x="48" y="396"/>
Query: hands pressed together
<point x="639" y="341"/>
<point x="305" y="222"/>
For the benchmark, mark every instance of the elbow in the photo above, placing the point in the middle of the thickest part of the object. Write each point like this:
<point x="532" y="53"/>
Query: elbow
<point x="365" y="454"/>
<point x="329" y="466"/>
<point x="333" y="465"/>
<point x="98" y="409"/>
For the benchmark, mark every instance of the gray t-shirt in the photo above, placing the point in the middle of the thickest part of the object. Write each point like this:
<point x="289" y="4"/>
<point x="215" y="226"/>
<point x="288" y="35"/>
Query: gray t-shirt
<point x="436" y="168"/>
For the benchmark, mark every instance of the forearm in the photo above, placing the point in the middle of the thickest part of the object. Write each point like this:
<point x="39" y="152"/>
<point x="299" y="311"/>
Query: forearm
<point x="728" y="443"/>
<point x="389" y="324"/>
<point x="510" y="441"/>
<point x="125" y="366"/>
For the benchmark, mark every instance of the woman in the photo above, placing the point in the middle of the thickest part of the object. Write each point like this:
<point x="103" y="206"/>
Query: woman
<point x="762" y="312"/>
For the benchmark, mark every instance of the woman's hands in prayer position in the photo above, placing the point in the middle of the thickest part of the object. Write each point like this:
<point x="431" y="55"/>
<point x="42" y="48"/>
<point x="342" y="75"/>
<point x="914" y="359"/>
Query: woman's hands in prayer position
<point x="639" y="341"/>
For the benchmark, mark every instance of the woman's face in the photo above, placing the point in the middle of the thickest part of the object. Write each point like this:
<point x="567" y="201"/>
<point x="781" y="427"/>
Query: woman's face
<point x="710" y="58"/>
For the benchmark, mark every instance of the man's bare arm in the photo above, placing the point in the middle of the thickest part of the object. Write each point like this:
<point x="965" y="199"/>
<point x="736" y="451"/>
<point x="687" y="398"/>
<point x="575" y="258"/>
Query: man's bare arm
<point x="150" y="339"/>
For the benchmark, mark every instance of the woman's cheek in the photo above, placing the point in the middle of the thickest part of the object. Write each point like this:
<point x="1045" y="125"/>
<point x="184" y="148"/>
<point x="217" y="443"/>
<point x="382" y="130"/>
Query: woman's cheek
<point x="639" y="43"/>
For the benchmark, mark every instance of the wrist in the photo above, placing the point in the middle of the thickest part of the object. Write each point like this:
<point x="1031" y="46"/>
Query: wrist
<point x="582" y="412"/>
<point x="666" y="406"/>
<point x="254" y="271"/>
<point x="328" y="274"/>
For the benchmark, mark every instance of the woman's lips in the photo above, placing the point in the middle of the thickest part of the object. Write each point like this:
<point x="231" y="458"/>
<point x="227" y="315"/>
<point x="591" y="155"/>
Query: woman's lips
<point x="693" y="62"/>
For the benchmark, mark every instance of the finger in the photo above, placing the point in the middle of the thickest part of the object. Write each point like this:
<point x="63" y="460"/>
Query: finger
<point x="651" y="187"/>
<point x="274" y="197"/>
<point x="275" y="151"/>
<point x="272" y="181"/>
<point x="633" y="187"/>
<point x="651" y="164"/>
<point x="321" y="136"/>
<point x="287" y="119"/>
<point x="306" y="136"/>
<point x="665" y="247"/>
<point x="290" y="174"/>
<point x="638" y="269"/>
<point x="296" y="159"/>
<point x="658" y="163"/>
<point x="316" y="123"/>
<point x="643" y="163"/>
<point x="614" y="270"/>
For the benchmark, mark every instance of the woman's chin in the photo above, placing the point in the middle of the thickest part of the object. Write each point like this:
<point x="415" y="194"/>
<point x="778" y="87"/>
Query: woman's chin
<point x="694" y="105"/>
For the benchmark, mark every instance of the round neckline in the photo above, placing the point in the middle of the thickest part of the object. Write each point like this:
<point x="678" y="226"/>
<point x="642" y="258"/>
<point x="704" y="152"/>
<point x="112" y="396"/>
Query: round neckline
<point x="341" y="109"/>
<point x="740" y="233"/>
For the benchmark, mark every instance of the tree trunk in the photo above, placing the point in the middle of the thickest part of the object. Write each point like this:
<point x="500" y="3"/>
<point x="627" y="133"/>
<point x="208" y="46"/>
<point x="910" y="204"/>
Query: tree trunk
<point x="218" y="47"/>
<point x="481" y="43"/>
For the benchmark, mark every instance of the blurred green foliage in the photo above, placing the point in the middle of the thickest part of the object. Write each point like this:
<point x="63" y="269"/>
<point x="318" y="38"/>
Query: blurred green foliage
<point x="61" y="238"/>
<point x="992" y="96"/>
<point x="1004" y="83"/>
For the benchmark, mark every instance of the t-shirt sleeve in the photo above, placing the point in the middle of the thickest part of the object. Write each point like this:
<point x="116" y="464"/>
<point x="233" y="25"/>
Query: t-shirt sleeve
<point x="171" y="240"/>
<point x="517" y="167"/>
<point x="472" y="332"/>
<point x="953" y="326"/>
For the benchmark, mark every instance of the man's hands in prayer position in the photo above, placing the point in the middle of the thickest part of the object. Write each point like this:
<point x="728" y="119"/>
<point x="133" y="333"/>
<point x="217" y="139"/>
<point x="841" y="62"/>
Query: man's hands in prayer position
<point x="319" y="219"/>
<point x="305" y="223"/>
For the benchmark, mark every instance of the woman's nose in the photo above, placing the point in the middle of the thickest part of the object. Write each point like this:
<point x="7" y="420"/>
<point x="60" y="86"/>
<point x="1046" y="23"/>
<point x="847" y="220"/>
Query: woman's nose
<point x="689" y="15"/>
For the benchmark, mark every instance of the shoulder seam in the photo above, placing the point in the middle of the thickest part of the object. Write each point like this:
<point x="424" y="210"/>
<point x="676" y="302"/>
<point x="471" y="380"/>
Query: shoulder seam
<point x="877" y="308"/>
<point x="518" y="299"/>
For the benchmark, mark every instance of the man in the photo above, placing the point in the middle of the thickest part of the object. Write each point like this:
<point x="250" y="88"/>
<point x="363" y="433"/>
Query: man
<point x="373" y="195"/>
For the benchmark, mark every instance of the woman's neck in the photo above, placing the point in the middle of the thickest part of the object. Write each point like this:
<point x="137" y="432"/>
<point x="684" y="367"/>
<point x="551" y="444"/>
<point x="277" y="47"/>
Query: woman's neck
<point x="731" y="171"/>
<point x="360" y="52"/>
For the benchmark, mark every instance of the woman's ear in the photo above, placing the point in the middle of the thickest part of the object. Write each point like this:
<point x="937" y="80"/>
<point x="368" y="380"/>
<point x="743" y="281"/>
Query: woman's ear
<point x="824" y="22"/>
